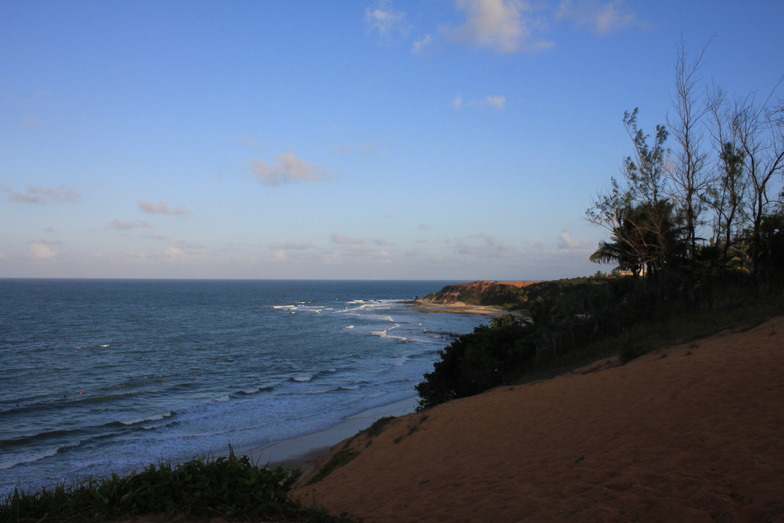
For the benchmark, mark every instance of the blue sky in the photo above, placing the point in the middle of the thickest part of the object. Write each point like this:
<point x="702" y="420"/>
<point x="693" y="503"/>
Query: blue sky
<point x="431" y="139"/>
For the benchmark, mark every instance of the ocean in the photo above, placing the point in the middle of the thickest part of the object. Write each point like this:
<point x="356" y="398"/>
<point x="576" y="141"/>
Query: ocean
<point x="101" y="376"/>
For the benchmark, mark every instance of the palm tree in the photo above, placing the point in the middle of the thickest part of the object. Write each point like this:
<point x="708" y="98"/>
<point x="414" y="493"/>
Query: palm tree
<point x="647" y="236"/>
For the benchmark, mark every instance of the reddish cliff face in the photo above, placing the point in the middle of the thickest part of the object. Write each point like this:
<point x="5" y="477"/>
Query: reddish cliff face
<point x="478" y="293"/>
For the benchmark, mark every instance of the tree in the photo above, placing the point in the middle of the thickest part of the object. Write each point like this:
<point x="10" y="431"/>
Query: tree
<point x="647" y="236"/>
<point x="639" y="217"/>
<point x="728" y="199"/>
<point x="645" y="171"/>
<point x="688" y="171"/>
<point x="758" y="132"/>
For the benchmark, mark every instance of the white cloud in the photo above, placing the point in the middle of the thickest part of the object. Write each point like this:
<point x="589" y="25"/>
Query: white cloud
<point x="288" y="169"/>
<point x="173" y="252"/>
<point x="497" y="25"/>
<point x="41" y="250"/>
<point x="496" y="102"/>
<point x="160" y="208"/>
<point x="366" y="147"/>
<point x="565" y="241"/>
<point x="36" y="194"/>
<point x="484" y="245"/>
<point x="124" y="225"/>
<point x="251" y="141"/>
<point x="292" y="246"/>
<point x="602" y="17"/>
<point x="422" y="44"/>
<point x="345" y="240"/>
<point x="157" y="237"/>
<point x="385" y="21"/>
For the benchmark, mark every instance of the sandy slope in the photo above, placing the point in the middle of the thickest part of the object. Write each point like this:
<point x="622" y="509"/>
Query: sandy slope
<point x="691" y="433"/>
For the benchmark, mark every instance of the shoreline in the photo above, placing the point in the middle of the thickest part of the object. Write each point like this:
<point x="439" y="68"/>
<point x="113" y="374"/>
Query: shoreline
<point x="459" y="308"/>
<point x="301" y="451"/>
<point x="464" y="308"/>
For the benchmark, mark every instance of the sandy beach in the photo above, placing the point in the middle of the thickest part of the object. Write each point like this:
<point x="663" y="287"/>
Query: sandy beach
<point x="688" y="433"/>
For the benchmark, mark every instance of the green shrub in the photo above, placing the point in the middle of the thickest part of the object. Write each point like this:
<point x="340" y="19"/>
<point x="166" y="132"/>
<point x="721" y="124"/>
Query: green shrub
<point x="479" y="360"/>
<point x="228" y="487"/>
<point x="339" y="459"/>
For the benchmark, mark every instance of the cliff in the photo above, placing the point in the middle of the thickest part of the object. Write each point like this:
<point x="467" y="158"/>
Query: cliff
<point x="479" y="293"/>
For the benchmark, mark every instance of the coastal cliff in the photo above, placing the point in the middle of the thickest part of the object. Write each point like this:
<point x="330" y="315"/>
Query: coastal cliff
<point x="483" y="293"/>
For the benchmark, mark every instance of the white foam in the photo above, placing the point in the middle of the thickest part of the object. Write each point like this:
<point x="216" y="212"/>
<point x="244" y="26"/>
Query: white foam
<point x="156" y="417"/>
<point x="32" y="458"/>
<point x="222" y="399"/>
<point x="399" y="362"/>
<point x="21" y="460"/>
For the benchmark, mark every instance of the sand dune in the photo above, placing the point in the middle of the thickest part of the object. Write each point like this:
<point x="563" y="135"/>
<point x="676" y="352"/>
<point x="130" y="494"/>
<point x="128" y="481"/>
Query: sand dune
<point x="690" y="433"/>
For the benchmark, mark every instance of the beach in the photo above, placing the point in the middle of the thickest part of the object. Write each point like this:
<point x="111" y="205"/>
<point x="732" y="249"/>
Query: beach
<point x="690" y="432"/>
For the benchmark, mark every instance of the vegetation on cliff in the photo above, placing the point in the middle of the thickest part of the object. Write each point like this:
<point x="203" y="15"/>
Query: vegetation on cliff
<point x="484" y="293"/>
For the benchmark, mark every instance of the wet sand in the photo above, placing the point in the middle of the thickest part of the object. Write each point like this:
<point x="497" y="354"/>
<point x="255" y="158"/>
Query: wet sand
<point x="693" y="432"/>
<point x="302" y="451"/>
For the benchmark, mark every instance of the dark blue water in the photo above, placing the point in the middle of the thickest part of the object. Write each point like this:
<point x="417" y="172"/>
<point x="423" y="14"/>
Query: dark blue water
<point x="99" y="376"/>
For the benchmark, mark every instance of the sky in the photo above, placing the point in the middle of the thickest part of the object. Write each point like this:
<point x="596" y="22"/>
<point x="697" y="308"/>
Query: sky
<point x="419" y="139"/>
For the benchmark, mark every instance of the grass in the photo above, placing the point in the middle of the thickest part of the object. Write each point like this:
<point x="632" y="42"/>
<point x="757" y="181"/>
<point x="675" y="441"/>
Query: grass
<point x="339" y="459"/>
<point x="378" y="426"/>
<point x="228" y="487"/>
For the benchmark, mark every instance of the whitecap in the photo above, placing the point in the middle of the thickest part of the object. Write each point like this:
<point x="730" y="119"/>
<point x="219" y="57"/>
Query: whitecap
<point x="399" y="362"/>
<point x="349" y="327"/>
<point x="29" y="458"/>
<point x="156" y="417"/>
<point x="302" y="379"/>
<point x="32" y="458"/>
<point x="222" y="399"/>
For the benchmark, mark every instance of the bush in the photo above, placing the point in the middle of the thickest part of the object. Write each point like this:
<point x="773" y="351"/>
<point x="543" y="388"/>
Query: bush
<point x="228" y="487"/>
<point x="478" y="361"/>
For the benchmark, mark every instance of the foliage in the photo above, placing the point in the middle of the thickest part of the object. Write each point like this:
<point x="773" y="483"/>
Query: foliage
<point x="378" y="426"/>
<point x="696" y="210"/>
<point x="228" y="487"/>
<point x="477" y="361"/>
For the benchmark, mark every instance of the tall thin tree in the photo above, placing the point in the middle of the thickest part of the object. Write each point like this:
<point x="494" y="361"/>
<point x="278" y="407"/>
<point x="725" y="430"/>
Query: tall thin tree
<point x="688" y="171"/>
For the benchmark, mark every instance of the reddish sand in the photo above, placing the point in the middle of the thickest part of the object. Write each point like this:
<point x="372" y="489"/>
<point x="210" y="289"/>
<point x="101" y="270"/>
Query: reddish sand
<point x="691" y="433"/>
<point x="518" y="284"/>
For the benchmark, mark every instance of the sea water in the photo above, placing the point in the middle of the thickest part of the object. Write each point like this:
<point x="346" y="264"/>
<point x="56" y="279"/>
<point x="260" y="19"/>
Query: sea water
<point x="100" y="376"/>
